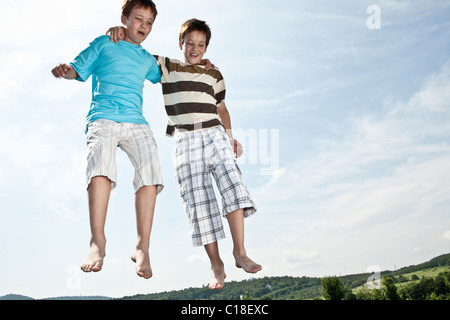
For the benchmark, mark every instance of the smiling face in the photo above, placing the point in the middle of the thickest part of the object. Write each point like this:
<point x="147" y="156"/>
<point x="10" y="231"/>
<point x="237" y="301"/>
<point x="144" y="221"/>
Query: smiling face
<point x="193" y="47"/>
<point x="138" y="24"/>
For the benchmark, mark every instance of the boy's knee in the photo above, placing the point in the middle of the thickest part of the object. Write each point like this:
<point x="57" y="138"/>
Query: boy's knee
<point x="147" y="190"/>
<point x="100" y="180"/>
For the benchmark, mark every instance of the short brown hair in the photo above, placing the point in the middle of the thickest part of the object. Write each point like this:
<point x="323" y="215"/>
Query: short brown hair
<point x="129" y="5"/>
<point x="195" y="25"/>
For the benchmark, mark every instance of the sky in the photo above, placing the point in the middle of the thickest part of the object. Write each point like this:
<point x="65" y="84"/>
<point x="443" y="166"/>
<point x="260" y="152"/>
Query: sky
<point x="343" y="108"/>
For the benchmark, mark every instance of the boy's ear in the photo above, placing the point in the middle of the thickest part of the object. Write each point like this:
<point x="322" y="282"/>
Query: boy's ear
<point x="123" y="19"/>
<point x="181" y="45"/>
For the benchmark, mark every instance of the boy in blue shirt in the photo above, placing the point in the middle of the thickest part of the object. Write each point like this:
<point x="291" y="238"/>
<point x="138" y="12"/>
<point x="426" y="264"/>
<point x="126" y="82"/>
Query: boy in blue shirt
<point x="115" y="119"/>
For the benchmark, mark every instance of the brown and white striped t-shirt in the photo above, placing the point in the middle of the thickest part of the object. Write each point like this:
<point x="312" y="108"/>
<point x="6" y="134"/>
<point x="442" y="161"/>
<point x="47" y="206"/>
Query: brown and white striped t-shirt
<point x="191" y="95"/>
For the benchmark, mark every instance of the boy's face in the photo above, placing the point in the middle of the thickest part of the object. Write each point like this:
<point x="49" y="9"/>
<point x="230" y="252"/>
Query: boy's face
<point x="138" y="25"/>
<point x="194" y="47"/>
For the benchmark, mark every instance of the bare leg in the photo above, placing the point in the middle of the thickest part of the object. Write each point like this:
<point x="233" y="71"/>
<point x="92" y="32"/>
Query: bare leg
<point x="217" y="267"/>
<point x="236" y="223"/>
<point x="145" y="208"/>
<point x="99" y="191"/>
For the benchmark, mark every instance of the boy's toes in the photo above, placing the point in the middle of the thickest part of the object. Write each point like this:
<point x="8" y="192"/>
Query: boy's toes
<point x="92" y="267"/>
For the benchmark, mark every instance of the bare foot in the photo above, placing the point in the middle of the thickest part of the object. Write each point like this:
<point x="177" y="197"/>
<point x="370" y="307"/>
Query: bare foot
<point x="142" y="260"/>
<point x="94" y="259"/>
<point x="247" y="264"/>
<point x="218" y="277"/>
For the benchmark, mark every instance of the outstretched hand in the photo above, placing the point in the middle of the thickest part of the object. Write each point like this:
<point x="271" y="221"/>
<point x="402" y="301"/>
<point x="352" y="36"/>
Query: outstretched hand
<point x="64" y="71"/>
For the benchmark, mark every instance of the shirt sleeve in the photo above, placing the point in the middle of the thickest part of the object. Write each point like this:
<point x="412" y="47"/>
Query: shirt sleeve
<point x="154" y="74"/>
<point x="163" y="64"/>
<point x="219" y="91"/>
<point x="86" y="62"/>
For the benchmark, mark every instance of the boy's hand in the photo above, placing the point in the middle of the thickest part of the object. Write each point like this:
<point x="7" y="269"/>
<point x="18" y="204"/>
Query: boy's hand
<point x="208" y="65"/>
<point x="64" y="71"/>
<point x="116" y="34"/>
<point x="237" y="148"/>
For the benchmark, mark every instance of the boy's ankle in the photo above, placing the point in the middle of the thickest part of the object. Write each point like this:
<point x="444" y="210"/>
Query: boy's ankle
<point x="142" y="245"/>
<point x="239" y="252"/>
<point x="99" y="241"/>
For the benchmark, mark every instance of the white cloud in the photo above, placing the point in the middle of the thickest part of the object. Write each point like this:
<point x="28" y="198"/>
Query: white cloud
<point x="197" y="258"/>
<point x="51" y="167"/>
<point x="299" y="256"/>
<point x="386" y="171"/>
<point x="433" y="98"/>
<point x="44" y="20"/>
<point x="446" y="235"/>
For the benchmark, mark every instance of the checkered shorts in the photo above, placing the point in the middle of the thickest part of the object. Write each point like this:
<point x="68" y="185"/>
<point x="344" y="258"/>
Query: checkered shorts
<point x="200" y="155"/>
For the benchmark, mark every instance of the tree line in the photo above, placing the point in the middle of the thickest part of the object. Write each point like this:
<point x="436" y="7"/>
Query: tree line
<point x="425" y="289"/>
<point x="394" y="285"/>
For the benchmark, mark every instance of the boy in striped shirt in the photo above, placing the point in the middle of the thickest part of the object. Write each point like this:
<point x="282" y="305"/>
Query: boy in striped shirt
<point x="199" y="120"/>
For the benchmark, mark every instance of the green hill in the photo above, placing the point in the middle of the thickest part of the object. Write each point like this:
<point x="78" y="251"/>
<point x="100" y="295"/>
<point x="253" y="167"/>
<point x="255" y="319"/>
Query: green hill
<point x="288" y="288"/>
<point x="275" y="287"/>
<point x="412" y="280"/>
<point x="15" y="297"/>
<point x="80" y="298"/>
<point x="440" y="261"/>
<point x="21" y="297"/>
<point x="270" y="288"/>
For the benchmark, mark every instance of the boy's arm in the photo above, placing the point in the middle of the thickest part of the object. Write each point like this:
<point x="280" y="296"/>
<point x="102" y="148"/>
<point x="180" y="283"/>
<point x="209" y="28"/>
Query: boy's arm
<point x="226" y="121"/>
<point x="118" y="33"/>
<point x="64" y="71"/>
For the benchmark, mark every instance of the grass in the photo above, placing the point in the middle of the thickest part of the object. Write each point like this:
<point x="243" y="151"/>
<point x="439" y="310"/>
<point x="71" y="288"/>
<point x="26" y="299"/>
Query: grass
<point x="425" y="273"/>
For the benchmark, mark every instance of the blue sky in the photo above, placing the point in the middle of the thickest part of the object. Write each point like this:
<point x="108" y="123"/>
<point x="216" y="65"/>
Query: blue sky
<point x="346" y="130"/>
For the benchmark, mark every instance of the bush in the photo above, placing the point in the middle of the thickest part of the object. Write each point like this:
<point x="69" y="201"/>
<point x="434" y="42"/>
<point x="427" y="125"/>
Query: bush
<point x="332" y="288"/>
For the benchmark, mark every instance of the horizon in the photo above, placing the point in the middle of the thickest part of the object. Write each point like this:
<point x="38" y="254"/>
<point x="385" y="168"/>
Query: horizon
<point x="343" y="108"/>
<point x="203" y="285"/>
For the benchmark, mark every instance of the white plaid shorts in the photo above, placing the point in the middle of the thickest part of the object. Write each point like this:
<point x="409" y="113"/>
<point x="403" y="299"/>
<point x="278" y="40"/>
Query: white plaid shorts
<point x="201" y="155"/>
<point x="136" y="140"/>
